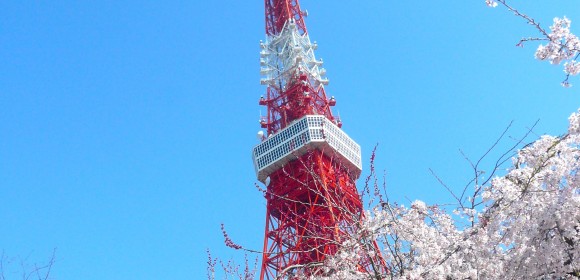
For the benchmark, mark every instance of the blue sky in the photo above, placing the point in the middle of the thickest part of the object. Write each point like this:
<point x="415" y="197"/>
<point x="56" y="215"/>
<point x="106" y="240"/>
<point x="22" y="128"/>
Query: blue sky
<point x="126" y="126"/>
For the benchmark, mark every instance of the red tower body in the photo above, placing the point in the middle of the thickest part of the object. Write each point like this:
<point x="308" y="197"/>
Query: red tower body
<point x="307" y="162"/>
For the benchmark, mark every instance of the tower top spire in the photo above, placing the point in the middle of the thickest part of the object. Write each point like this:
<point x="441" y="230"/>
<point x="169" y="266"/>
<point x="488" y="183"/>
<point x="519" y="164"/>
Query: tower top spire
<point x="295" y="78"/>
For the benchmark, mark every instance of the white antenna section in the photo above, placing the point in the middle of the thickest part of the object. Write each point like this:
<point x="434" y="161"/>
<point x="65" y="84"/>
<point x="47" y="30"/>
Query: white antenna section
<point x="289" y="51"/>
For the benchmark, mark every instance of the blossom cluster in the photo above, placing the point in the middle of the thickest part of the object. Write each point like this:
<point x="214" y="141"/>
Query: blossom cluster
<point x="491" y="3"/>
<point x="562" y="46"/>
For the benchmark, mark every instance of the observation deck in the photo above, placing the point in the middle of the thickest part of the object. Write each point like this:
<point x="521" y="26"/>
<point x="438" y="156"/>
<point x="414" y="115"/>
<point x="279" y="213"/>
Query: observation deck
<point x="307" y="133"/>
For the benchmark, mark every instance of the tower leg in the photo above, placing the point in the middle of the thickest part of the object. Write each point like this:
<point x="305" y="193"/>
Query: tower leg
<point x="312" y="208"/>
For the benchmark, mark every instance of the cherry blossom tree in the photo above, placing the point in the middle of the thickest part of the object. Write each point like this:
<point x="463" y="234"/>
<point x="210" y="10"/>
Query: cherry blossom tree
<point x="523" y="225"/>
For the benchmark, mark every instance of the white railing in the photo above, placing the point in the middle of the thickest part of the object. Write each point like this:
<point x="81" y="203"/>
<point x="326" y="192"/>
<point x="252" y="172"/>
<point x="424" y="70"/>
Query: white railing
<point x="309" y="132"/>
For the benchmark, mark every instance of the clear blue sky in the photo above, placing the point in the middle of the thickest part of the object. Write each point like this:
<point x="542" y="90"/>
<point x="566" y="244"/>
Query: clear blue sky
<point x="126" y="126"/>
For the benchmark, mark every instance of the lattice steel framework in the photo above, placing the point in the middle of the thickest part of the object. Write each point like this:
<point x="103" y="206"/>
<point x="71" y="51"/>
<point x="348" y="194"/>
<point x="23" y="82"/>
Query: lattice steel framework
<point x="307" y="162"/>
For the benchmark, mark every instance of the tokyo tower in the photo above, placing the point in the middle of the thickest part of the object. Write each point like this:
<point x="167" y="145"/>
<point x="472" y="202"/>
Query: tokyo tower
<point x="308" y="164"/>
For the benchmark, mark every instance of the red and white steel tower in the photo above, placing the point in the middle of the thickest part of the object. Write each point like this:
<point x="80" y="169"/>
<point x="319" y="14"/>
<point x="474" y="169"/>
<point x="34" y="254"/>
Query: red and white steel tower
<point x="307" y="162"/>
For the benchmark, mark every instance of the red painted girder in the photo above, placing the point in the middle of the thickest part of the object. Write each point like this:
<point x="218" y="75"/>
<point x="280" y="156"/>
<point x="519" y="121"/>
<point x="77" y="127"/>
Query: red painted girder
<point x="309" y="201"/>
<point x="280" y="11"/>
<point x="285" y="106"/>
